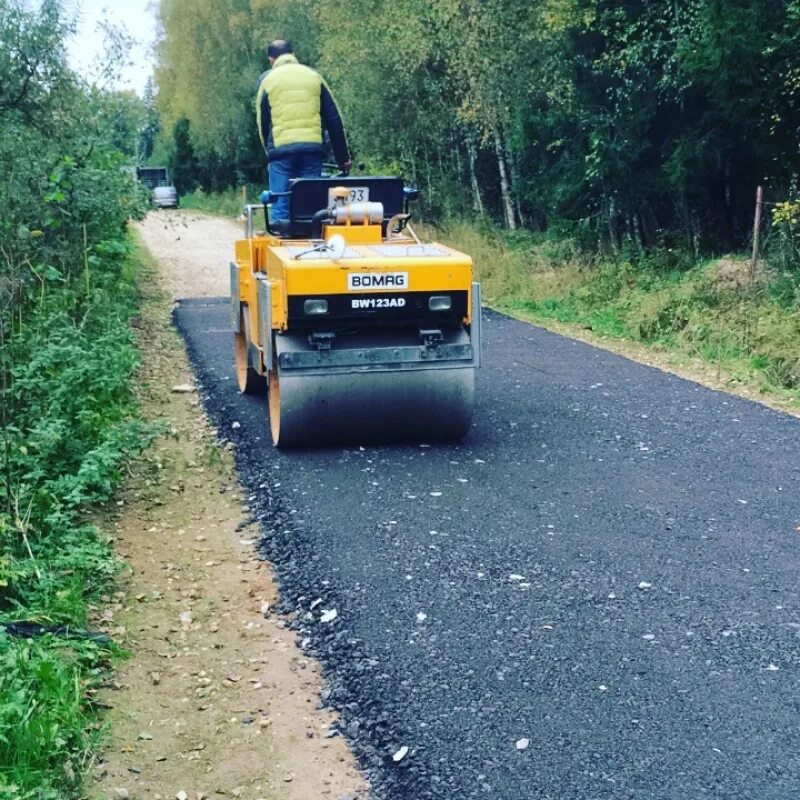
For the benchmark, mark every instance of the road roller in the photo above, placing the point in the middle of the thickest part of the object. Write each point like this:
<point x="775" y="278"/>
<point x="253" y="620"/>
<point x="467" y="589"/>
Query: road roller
<point x="358" y="331"/>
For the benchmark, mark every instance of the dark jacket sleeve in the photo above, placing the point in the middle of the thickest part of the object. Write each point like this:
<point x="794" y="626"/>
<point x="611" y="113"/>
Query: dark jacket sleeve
<point x="265" y="120"/>
<point x="332" y="121"/>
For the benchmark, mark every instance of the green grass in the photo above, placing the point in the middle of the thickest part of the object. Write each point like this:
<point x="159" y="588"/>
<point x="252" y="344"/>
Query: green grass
<point x="227" y="204"/>
<point x="713" y="310"/>
<point x="46" y="715"/>
<point x="74" y="423"/>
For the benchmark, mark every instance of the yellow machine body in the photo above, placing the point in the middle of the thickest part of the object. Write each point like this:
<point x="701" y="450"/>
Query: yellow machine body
<point x="289" y="276"/>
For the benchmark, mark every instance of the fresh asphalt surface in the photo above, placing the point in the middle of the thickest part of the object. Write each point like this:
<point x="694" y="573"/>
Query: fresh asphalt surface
<point x="607" y="566"/>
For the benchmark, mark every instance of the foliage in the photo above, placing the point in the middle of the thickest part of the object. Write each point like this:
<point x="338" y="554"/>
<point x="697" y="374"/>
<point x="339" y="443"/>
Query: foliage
<point x="70" y="404"/>
<point x="783" y="244"/>
<point x="148" y="134"/>
<point x="67" y="356"/>
<point x="182" y="161"/>
<point x="645" y="123"/>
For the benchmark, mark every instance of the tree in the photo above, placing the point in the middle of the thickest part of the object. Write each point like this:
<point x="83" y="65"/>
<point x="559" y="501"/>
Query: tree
<point x="642" y="121"/>
<point x="183" y="163"/>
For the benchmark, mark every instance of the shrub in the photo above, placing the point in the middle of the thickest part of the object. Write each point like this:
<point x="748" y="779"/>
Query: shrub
<point x="67" y="357"/>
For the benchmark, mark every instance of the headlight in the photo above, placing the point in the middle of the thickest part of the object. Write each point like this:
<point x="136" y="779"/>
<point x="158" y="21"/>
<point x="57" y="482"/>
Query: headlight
<point x="440" y="302"/>
<point x="316" y="306"/>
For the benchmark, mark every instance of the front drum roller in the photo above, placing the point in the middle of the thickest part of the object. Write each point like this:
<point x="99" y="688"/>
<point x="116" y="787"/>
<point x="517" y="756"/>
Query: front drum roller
<point x="430" y="403"/>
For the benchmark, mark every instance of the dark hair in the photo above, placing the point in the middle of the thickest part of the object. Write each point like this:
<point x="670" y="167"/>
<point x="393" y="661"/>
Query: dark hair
<point x="280" y="47"/>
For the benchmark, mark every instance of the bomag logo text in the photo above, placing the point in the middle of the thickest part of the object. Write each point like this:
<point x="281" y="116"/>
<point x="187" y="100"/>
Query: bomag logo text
<point x="358" y="281"/>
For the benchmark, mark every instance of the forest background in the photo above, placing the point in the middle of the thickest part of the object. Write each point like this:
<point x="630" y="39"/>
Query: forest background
<point x="647" y="120"/>
<point x="617" y="144"/>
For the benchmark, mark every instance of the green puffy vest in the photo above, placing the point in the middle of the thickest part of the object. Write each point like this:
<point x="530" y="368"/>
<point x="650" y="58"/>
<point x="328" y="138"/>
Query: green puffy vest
<point x="294" y="98"/>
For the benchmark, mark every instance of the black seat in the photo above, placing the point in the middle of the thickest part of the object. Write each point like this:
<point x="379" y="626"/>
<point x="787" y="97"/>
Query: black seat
<point x="307" y="196"/>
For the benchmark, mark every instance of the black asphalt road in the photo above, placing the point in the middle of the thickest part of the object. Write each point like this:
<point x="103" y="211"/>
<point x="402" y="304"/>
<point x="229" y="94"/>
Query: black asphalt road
<point x="607" y="567"/>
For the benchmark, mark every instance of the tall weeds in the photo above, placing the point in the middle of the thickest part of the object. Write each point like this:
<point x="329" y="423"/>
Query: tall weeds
<point x="715" y="311"/>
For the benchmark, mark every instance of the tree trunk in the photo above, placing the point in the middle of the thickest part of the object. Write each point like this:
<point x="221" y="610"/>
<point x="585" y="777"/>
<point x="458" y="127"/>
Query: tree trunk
<point x="429" y="183"/>
<point x="477" y="202"/>
<point x="611" y="212"/>
<point x="505" y="188"/>
<point x="515" y="185"/>
<point x="518" y="206"/>
<point x="649" y="225"/>
<point x="628" y="229"/>
<point x="730" y="225"/>
<point x="637" y="230"/>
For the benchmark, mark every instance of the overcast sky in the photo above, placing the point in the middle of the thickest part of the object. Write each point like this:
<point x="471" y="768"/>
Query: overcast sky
<point x="137" y="17"/>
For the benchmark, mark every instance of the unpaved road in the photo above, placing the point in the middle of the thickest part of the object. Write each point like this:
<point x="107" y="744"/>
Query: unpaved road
<point x="193" y="251"/>
<point x="216" y="700"/>
<point x="593" y="596"/>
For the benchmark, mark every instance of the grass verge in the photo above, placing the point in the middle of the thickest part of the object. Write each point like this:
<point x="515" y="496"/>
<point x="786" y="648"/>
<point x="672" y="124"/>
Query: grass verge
<point x="73" y="425"/>
<point x="743" y="328"/>
<point x="227" y="204"/>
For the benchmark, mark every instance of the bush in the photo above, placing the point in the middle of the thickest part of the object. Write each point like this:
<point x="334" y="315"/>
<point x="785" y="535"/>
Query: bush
<point x="72" y="408"/>
<point x="67" y="357"/>
<point x="783" y="239"/>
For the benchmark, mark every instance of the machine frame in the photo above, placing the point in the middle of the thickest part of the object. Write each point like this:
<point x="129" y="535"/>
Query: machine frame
<point x="393" y="305"/>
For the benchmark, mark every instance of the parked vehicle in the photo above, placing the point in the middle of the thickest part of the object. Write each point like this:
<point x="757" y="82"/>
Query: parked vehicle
<point x="153" y="176"/>
<point x="165" y="197"/>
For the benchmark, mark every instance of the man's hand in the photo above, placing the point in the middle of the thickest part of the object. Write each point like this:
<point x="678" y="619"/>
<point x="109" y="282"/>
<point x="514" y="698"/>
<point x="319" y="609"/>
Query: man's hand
<point x="346" y="166"/>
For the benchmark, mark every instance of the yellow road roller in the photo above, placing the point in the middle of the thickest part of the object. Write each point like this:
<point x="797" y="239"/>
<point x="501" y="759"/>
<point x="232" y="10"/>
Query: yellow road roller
<point x="359" y="331"/>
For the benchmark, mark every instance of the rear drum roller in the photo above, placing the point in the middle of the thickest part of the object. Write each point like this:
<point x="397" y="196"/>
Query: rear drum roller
<point x="250" y="382"/>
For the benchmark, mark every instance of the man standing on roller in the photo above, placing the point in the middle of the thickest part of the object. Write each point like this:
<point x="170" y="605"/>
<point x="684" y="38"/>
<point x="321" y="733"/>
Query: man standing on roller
<point x="293" y="106"/>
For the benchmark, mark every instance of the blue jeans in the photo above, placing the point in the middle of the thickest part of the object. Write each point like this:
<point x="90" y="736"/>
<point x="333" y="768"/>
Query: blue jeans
<point x="282" y="170"/>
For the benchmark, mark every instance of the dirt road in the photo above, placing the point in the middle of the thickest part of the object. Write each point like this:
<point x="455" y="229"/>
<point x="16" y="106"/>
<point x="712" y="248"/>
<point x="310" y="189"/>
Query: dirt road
<point x="193" y="251"/>
<point x="216" y="701"/>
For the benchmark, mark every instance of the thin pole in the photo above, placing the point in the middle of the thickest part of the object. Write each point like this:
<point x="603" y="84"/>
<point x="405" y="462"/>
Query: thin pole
<point x="756" y="230"/>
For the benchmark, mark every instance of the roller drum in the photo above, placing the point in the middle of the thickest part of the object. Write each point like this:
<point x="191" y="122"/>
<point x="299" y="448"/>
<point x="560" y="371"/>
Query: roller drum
<point x="431" y="402"/>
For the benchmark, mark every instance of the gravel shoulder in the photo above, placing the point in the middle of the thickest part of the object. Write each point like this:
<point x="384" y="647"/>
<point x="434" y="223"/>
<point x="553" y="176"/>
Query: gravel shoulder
<point x="216" y="700"/>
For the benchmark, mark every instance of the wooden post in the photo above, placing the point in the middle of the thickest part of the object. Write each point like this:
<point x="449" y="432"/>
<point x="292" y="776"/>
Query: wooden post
<point x="756" y="231"/>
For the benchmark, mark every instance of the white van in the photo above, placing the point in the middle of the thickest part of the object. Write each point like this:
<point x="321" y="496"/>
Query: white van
<point x="165" y="197"/>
